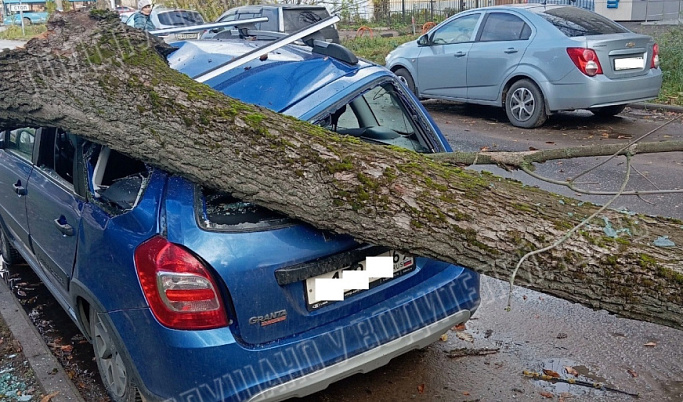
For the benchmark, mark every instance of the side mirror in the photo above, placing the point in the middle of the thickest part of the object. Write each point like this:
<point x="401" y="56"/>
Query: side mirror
<point x="423" y="40"/>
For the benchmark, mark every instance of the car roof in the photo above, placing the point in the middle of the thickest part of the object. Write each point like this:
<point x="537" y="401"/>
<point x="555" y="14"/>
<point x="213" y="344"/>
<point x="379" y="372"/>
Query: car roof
<point x="286" y="76"/>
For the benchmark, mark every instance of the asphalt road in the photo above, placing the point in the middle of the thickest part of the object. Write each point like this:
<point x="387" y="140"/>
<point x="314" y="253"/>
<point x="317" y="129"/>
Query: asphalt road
<point x="543" y="332"/>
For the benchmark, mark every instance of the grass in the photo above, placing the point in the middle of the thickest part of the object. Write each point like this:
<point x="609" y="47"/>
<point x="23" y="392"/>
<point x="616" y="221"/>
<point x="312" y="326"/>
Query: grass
<point x="377" y="47"/>
<point x="671" y="62"/>
<point x="13" y="32"/>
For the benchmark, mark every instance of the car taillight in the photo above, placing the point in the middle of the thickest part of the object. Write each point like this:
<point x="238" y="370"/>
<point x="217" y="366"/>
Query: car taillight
<point x="586" y="60"/>
<point x="654" y="63"/>
<point x="179" y="289"/>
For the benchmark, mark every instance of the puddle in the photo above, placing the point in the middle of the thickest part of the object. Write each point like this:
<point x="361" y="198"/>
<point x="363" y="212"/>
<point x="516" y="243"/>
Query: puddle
<point x="61" y="335"/>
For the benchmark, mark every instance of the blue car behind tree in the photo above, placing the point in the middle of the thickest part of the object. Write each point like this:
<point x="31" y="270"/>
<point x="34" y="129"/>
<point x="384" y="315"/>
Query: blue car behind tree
<point x="186" y="292"/>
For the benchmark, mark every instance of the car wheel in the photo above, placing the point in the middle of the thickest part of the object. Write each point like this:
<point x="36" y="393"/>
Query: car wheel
<point x="112" y="364"/>
<point x="524" y="105"/>
<point x="27" y="21"/>
<point x="9" y="254"/>
<point x="404" y="76"/>
<point x="608" y="111"/>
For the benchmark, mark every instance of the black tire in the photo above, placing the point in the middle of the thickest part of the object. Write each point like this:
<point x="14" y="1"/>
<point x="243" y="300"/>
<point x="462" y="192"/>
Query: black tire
<point x="405" y="77"/>
<point x="524" y="105"/>
<point x="115" y="370"/>
<point x="608" y="111"/>
<point x="27" y="21"/>
<point x="9" y="254"/>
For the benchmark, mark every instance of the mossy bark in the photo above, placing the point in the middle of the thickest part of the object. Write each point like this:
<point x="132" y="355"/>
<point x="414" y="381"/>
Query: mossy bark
<point x="95" y="77"/>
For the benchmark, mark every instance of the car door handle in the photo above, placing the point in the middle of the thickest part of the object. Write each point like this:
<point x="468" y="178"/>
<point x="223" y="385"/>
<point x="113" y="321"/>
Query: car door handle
<point x="459" y="54"/>
<point x="63" y="226"/>
<point x="19" y="189"/>
<point x="511" y="50"/>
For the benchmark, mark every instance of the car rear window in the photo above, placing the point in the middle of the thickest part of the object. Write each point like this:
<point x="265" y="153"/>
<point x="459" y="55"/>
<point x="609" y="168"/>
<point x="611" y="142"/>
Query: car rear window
<point x="180" y="18"/>
<point x="574" y="21"/>
<point x="298" y="18"/>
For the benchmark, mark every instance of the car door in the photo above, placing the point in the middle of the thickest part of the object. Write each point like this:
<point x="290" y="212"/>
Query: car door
<point x="53" y="207"/>
<point x="500" y="45"/>
<point x="442" y="64"/>
<point x="15" y="168"/>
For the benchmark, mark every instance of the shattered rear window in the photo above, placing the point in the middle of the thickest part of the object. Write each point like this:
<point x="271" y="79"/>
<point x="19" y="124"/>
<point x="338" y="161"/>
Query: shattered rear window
<point x="222" y="211"/>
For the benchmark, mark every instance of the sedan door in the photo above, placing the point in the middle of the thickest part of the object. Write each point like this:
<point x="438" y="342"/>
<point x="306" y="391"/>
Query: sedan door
<point x="54" y="208"/>
<point x="15" y="169"/>
<point x="442" y="65"/>
<point x="500" y="45"/>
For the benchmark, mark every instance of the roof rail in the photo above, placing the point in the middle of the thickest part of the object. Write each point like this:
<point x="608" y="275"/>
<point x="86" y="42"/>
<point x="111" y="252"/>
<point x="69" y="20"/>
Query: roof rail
<point x="256" y="53"/>
<point x="202" y="27"/>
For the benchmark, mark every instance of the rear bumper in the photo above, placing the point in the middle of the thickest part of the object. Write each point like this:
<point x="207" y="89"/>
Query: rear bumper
<point x="582" y="92"/>
<point x="363" y="363"/>
<point x="214" y="365"/>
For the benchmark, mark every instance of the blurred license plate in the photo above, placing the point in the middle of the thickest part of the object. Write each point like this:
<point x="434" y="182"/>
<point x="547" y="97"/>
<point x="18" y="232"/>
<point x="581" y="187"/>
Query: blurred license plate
<point x="403" y="264"/>
<point x="185" y="36"/>
<point x="629" y="63"/>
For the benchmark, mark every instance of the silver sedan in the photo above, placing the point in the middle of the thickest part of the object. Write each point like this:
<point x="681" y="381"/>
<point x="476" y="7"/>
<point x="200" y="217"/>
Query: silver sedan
<point x="532" y="60"/>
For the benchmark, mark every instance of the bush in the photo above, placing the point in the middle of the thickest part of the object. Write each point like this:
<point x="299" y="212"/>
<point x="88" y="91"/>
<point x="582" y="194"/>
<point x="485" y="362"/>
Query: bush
<point x="13" y="32"/>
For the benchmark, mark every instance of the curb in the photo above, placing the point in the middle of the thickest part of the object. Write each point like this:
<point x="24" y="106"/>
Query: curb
<point x="47" y="369"/>
<point x="656" y="106"/>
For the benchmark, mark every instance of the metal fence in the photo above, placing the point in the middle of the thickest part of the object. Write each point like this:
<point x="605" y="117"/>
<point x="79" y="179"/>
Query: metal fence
<point x="401" y="12"/>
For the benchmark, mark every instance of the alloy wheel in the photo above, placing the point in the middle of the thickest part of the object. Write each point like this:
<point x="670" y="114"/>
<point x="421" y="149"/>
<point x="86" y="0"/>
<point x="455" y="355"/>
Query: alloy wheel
<point x="522" y="104"/>
<point x="112" y="367"/>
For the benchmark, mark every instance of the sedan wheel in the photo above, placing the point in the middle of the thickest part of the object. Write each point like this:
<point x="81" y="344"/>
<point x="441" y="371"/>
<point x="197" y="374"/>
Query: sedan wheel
<point x="110" y="362"/>
<point x="405" y="77"/>
<point x="9" y="254"/>
<point x="524" y="105"/>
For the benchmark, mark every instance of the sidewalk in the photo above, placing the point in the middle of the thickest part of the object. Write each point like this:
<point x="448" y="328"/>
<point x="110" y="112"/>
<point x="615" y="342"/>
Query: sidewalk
<point x="40" y="373"/>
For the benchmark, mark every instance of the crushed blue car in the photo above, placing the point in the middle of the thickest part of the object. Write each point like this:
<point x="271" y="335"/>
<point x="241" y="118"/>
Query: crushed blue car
<point x="191" y="294"/>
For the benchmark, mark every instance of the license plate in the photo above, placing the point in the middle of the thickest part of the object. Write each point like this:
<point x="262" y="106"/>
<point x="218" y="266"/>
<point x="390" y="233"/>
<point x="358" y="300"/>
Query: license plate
<point x="185" y="36"/>
<point x="629" y="63"/>
<point x="318" y="295"/>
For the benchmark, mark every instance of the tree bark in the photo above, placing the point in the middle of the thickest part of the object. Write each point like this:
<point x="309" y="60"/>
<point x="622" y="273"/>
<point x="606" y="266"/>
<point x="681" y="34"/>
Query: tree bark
<point x="100" y="79"/>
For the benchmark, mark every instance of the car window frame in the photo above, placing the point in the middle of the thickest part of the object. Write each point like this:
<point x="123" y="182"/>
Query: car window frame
<point x="484" y="22"/>
<point x="5" y="144"/>
<point x="449" y="23"/>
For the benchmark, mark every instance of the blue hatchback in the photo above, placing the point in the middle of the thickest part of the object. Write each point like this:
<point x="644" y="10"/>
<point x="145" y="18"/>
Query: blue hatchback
<point x="190" y="294"/>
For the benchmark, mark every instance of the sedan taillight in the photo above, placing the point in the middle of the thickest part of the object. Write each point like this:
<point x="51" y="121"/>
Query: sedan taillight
<point x="178" y="287"/>
<point x="586" y="60"/>
<point x="654" y="63"/>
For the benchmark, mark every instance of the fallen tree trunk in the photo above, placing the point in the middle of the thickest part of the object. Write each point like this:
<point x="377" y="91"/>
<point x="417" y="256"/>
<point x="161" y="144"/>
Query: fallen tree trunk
<point x="72" y="77"/>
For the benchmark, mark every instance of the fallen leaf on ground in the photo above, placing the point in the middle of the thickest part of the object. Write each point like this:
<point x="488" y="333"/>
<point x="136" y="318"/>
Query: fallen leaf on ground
<point x="632" y="372"/>
<point x="444" y="337"/>
<point x="466" y="393"/>
<point x="460" y="327"/>
<point x="546" y="394"/>
<point x="48" y="397"/>
<point x="464" y="336"/>
<point x="561" y="335"/>
<point x="421" y="388"/>
<point x="571" y="371"/>
<point x="651" y="344"/>
<point x="551" y="373"/>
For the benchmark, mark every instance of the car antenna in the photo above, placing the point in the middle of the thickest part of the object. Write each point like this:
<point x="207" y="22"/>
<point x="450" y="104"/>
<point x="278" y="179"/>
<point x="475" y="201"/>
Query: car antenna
<point x="256" y="53"/>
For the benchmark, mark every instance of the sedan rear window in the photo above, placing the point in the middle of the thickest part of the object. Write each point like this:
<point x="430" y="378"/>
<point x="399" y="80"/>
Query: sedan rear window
<point x="574" y="21"/>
